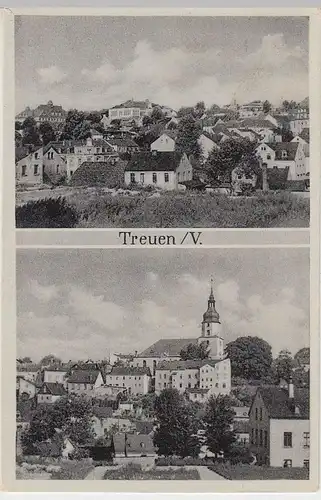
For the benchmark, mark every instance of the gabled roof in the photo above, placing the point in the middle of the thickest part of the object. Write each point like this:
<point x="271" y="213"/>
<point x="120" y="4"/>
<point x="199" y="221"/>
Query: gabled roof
<point x="24" y="151"/>
<point x="133" y="104"/>
<point x="143" y="426"/>
<point x="179" y="365"/>
<point x="257" y="122"/>
<point x="121" y="141"/>
<point x="208" y="135"/>
<point x="166" y="347"/>
<point x="290" y="148"/>
<point x="154" y="162"/>
<point x="83" y="377"/>
<point x="280" y="406"/>
<point x="53" y="388"/>
<point x="137" y="443"/>
<point x="129" y="370"/>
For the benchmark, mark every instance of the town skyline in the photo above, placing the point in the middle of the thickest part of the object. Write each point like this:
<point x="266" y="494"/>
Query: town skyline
<point x="89" y="304"/>
<point x="161" y="59"/>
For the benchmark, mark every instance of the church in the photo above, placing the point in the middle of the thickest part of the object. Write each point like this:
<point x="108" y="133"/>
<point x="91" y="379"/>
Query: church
<point x="199" y="378"/>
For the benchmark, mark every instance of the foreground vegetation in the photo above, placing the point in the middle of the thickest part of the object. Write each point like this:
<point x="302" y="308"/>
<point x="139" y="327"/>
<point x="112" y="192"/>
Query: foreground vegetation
<point x="134" y="472"/>
<point x="97" y="208"/>
<point x="244" y="472"/>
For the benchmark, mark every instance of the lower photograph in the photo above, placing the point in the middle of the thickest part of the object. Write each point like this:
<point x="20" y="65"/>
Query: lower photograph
<point x="165" y="365"/>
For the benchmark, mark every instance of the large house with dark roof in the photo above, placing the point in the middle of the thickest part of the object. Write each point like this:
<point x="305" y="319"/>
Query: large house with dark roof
<point x="84" y="381"/>
<point x="200" y="378"/>
<point x="284" y="155"/>
<point x="50" y="392"/>
<point x="280" y="426"/>
<point x="165" y="170"/>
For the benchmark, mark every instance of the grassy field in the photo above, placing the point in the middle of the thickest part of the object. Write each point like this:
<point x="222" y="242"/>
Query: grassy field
<point x="95" y="207"/>
<point x="254" y="472"/>
<point x="134" y="472"/>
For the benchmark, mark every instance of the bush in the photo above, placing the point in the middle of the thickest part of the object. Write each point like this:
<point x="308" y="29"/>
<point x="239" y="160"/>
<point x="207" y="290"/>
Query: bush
<point x="244" y="472"/>
<point x="48" y="212"/>
<point x="181" y="462"/>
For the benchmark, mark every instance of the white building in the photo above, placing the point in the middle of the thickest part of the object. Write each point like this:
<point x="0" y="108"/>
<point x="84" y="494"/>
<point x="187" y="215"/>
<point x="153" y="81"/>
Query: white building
<point x="135" y="379"/>
<point x="84" y="381"/>
<point x="58" y="375"/>
<point x="289" y="155"/>
<point x="29" y="165"/>
<point x="280" y="426"/>
<point x="130" y="111"/>
<point x="165" y="142"/>
<point x="248" y="110"/>
<point x="163" y="170"/>
<point x="207" y="144"/>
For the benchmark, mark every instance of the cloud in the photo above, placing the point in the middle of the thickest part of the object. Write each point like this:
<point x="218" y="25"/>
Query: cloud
<point x="273" y="53"/>
<point x="94" y="308"/>
<point x="43" y="293"/>
<point x="51" y="75"/>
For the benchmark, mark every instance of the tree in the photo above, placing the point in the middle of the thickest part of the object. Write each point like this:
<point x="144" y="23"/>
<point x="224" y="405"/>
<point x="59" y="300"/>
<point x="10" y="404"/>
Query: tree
<point x="94" y="118"/>
<point x="47" y="133"/>
<point x="185" y="111"/>
<point x="26" y="359"/>
<point x="74" y="119"/>
<point x="267" y="107"/>
<point x="17" y="126"/>
<point x="233" y="153"/>
<point x="71" y="415"/>
<point x="302" y="357"/>
<point x="195" y="351"/>
<point x="148" y="404"/>
<point x="157" y="114"/>
<point x="251" y="357"/>
<point x="286" y="134"/>
<point x="176" y="432"/>
<point x="30" y="134"/>
<point x="116" y="123"/>
<point x="188" y="132"/>
<point x="218" y="421"/>
<point x="283" y="366"/>
<point x="82" y="130"/>
<point x="199" y="109"/>
<point x="147" y="121"/>
<point x="50" y="359"/>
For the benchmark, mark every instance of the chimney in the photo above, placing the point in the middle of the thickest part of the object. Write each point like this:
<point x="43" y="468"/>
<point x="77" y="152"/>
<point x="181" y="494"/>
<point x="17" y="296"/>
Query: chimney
<point x="291" y="389"/>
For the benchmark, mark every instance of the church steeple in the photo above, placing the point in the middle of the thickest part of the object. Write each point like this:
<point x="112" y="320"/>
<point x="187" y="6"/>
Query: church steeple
<point x="211" y="315"/>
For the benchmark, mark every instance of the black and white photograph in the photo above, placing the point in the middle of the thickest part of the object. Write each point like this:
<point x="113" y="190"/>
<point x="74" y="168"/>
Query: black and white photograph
<point x="163" y="365"/>
<point x="162" y="121"/>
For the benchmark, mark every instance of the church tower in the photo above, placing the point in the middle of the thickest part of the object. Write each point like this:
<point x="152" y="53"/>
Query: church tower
<point x="211" y="329"/>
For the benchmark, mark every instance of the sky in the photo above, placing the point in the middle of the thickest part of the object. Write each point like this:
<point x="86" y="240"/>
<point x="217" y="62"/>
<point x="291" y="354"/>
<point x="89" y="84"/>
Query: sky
<point x="98" y="62"/>
<point x="87" y="303"/>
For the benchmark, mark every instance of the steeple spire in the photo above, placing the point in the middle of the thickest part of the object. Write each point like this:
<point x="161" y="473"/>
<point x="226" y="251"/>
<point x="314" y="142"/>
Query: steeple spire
<point x="211" y="315"/>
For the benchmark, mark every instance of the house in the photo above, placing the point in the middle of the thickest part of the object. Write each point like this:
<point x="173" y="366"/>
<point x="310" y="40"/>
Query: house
<point x="50" y="392"/>
<point x="25" y="386"/>
<point x="165" y="142"/>
<point x="104" y="425"/>
<point x="55" y="375"/>
<point x="135" y="379"/>
<point x="241" y="424"/>
<point x="251" y="109"/>
<point x="26" y="113"/>
<point x="88" y="151"/>
<point x="29" y="165"/>
<point x="298" y="122"/>
<point x="162" y="170"/>
<point x="50" y="113"/>
<point x="304" y="139"/>
<point x="284" y="155"/>
<point x="263" y="128"/>
<point x="84" y="381"/>
<point x="130" y="111"/>
<point x="122" y="144"/>
<point x="207" y="143"/>
<point x="54" y="163"/>
<point x="280" y="426"/>
<point x="95" y="135"/>
<point x="133" y="445"/>
<point x="28" y="372"/>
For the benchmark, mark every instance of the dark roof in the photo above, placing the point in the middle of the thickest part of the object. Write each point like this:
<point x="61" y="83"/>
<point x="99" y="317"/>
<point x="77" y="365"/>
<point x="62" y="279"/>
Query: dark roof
<point x="166" y="347"/>
<point x="305" y="135"/>
<point x="132" y="104"/>
<point x="121" y="141"/>
<point x="143" y="426"/>
<point x="140" y="443"/>
<point x="179" y="365"/>
<point x="83" y="377"/>
<point x="280" y="406"/>
<point x="154" y="162"/>
<point x="103" y="411"/>
<point x="210" y="136"/>
<point x="24" y="151"/>
<point x="103" y="173"/>
<point x="277" y="177"/>
<point x="290" y="147"/>
<point x="129" y="370"/>
<point x="53" y="388"/>
<point x="257" y="122"/>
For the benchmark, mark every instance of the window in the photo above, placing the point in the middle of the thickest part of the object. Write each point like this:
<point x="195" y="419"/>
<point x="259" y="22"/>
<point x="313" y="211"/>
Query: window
<point x="71" y="172"/>
<point x="36" y="169"/>
<point x="252" y="436"/>
<point x="256" y="413"/>
<point x="306" y="463"/>
<point x="265" y="439"/>
<point x="154" y="178"/>
<point x="57" y="169"/>
<point x="256" y="436"/>
<point x="142" y="178"/>
<point x="132" y="177"/>
<point x="36" y="156"/>
<point x="261" y="437"/>
<point x="260" y="413"/>
<point x="224" y="385"/>
<point x="287" y="439"/>
<point x="166" y="177"/>
<point x="306" y="440"/>
<point x="268" y="157"/>
<point x="24" y="170"/>
<point x="287" y="463"/>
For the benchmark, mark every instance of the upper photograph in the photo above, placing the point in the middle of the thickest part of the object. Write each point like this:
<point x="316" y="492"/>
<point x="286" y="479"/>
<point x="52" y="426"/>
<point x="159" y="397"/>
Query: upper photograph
<point x="162" y="121"/>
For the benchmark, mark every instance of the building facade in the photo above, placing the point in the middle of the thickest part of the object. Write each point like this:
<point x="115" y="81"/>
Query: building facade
<point x="29" y="166"/>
